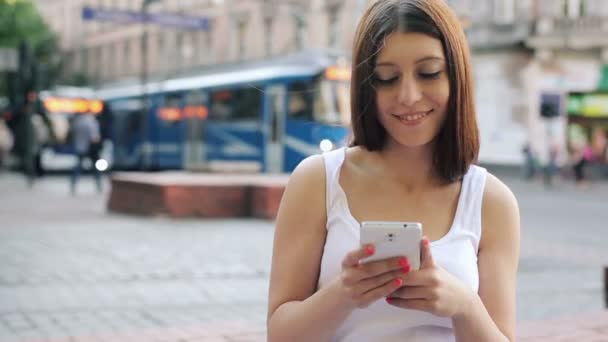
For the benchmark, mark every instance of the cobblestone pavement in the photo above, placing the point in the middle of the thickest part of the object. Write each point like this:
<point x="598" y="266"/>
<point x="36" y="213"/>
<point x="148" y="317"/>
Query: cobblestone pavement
<point x="69" y="271"/>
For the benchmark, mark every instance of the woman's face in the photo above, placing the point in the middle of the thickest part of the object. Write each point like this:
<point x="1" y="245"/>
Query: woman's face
<point x="412" y="88"/>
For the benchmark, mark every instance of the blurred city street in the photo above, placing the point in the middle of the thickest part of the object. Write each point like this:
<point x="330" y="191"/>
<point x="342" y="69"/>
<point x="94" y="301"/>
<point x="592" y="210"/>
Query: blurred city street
<point x="69" y="269"/>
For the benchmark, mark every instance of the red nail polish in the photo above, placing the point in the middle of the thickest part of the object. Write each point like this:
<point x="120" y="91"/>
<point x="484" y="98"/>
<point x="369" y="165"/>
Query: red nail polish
<point x="406" y="269"/>
<point x="369" y="250"/>
<point x="426" y="242"/>
<point x="403" y="262"/>
<point x="398" y="282"/>
<point x="389" y="299"/>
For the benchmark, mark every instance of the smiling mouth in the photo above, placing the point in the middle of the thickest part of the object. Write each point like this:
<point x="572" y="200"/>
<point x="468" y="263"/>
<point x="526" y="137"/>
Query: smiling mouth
<point x="412" y="117"/>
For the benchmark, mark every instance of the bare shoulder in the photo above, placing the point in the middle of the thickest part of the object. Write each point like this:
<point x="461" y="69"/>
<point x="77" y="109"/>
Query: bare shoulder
<point x="309" y="176"/>
<point x="497" y="197"/>
<point x="306" y="186"/>
<point x="500" y="210"/>
<point x="302" y="217"/>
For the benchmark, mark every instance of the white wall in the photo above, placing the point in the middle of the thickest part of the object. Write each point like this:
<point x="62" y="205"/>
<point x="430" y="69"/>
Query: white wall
<point x="498" y="97"/>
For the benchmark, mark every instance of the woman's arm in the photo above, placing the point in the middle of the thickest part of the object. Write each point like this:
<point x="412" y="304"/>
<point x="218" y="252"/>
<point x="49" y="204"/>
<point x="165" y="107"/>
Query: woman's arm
<point x="296" y="312"/>
<point x="491" y="315"/>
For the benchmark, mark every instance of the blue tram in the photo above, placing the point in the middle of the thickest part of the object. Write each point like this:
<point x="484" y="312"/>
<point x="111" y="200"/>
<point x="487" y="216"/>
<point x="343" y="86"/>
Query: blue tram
<point x="253" y="117"/>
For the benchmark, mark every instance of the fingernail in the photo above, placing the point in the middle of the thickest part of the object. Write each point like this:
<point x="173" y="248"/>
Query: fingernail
<point x="369" y="250"/>
<point x="398" y="282"/>
<point x="403" y="262"/>
<point x="426" y="242"/>
<point x="406" y="269"/>
<point x="389" y="299"/>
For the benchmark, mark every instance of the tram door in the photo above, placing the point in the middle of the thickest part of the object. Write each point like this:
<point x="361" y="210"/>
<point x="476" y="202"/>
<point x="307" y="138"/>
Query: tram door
<point x="194" y="114"/>
<point x="274" y="124"/>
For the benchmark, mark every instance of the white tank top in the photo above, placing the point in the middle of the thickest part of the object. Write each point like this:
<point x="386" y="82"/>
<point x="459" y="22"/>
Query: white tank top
<point x="456" y="252"/>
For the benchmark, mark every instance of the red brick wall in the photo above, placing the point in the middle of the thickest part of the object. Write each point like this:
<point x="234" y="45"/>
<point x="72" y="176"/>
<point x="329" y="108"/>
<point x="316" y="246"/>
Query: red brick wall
<point x="212" y="201"/>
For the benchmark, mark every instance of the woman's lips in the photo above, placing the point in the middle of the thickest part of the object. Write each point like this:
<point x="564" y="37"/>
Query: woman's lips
<point x="413" y="118"/>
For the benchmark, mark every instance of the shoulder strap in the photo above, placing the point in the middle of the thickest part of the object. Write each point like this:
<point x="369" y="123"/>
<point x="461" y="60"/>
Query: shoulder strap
<point x="470" y="202"/>
<point x="333" y="162"/>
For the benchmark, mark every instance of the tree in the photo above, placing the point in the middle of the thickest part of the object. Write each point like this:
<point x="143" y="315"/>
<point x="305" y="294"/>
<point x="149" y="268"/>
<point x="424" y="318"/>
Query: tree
<point x="21" y="22"/>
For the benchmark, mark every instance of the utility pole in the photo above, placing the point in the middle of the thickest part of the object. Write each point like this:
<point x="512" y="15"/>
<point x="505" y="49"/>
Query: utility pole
<point x="145" y="152"/>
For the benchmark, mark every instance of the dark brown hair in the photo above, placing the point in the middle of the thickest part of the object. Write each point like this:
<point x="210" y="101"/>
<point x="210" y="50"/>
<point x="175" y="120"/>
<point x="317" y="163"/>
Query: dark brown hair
<point x="457" y="143"/>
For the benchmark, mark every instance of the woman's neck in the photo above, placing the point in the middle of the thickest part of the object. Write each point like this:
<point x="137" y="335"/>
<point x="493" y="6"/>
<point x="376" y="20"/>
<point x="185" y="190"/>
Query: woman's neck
<point x="411" y="167"/>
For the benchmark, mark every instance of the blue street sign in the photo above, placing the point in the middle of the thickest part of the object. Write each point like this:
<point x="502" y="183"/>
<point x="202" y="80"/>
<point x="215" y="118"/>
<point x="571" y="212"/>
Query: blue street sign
<point x="185" y="22"/>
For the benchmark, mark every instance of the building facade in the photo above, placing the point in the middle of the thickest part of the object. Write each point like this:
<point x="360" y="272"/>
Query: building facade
<point x="522" y="49"/>
<point x="238" y="30"/>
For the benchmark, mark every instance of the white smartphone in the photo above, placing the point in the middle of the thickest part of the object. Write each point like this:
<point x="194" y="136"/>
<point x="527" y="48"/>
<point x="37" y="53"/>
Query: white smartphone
<point x="393" y="239"/>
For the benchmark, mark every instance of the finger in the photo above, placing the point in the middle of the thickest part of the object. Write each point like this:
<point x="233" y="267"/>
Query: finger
<point x="352" y="258"/>
<point x="354" y="275"/>
<point x="380" y="292"/>
<point x="422" y="277"/>
<point x="375" y="268"/>
<point x="412" y="304"/>
<point x="412" y="292"/>
<point x="426" y="256"/>
<point x="367" y="285"/>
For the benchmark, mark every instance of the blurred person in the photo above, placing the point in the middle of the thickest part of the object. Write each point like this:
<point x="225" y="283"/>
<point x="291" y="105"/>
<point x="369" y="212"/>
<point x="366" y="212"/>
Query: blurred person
<point x="551" y="169"/>
<point x="6" y="142"/>
<point x="582" y="155"/>
<point x="84" y="136"/>
<point x="599" y="144"/>
<point x="27" y="144"/>
<point x="530" y="162"/>
<point x="411" y="159"/>
<point x="42" y="139"/>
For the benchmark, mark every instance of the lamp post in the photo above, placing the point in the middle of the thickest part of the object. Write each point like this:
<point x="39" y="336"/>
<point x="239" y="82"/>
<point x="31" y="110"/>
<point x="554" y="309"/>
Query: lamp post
<point x="144" y="80"/>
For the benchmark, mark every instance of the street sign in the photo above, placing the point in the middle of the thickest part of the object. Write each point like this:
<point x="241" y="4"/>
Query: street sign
<point x="9" y="60"/>
<point x="185" y="22"/>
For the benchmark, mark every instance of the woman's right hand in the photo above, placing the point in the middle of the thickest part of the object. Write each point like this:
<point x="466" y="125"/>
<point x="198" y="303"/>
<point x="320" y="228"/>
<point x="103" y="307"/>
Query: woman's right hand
<point x="361" y="284"/>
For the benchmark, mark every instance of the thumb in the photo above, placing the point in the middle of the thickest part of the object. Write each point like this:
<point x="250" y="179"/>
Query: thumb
<point x="426" y="256"/>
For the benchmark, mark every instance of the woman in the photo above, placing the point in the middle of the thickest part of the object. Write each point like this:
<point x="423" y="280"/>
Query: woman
<point x="415" y="139"/>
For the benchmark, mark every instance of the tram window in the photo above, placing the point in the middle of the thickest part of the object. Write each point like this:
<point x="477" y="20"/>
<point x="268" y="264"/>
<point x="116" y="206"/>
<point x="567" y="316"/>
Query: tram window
<point x="171" y="109"/>
<point x="236" y="104"/>
<point x="332" y="102"/>
<point x="300" y="101"/>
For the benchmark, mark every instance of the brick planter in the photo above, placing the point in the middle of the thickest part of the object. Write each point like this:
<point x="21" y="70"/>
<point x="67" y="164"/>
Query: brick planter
<point x="182" y="194"/>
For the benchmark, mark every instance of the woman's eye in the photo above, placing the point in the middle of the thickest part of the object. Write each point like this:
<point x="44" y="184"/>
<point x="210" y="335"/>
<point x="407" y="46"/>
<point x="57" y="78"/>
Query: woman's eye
<point x="385" y="80"/>
<point x="429" y="75"/>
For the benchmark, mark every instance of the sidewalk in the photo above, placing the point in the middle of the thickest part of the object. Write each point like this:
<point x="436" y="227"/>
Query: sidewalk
<point x="71" y="271"/>
<point x="584" y="328"/>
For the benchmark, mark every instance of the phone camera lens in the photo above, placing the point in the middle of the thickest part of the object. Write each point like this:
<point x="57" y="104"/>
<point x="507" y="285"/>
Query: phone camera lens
<point x="405" y="226"/>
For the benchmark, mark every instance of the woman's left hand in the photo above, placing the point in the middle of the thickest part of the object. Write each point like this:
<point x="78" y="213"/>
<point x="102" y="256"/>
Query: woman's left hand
<point x="432" y="289"/>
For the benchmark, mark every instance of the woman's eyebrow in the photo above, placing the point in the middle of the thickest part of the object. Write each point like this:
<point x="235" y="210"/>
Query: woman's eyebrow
<point x="423" y="59"/>
<point x="429" y="58"/>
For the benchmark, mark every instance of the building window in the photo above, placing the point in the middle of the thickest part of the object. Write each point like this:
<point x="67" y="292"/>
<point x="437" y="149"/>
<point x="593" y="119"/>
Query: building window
<point x="504" y="11"/>
<point x="238" y="104"/>
<point x="207" y="52"/>
<point x="126" y="57"/>
<point x="84" y="61"/>
<point x="268" y="40"/>
<point x="241" y="36"/>
<point x="574" y="8"/>
<point x="334" y="27"/>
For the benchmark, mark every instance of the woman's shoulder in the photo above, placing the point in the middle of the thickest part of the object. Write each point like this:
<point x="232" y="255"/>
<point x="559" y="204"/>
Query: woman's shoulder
<point x="309" y="175"/>
<point x="497" y="193"/>
<point x="500" y="210"/>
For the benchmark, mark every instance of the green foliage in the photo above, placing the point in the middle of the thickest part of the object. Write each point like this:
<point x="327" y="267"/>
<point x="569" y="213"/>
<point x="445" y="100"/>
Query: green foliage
<point x="20" y="21"/>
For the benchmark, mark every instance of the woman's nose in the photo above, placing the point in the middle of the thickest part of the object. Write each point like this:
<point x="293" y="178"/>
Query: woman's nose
<point x="409" y="92"/>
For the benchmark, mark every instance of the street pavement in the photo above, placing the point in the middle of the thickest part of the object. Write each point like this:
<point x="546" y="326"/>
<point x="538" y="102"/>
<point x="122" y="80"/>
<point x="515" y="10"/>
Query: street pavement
<point x="71" y="271"/>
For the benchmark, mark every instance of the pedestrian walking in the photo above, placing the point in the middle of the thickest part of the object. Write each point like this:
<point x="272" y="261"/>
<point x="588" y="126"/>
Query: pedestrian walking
<point x="415" y="139"/>
<point x="551" y="169"/>
<point x="530" y="162"/>
<point x="84" y="135"/>
<point x="6" y="143"/>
